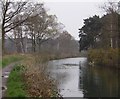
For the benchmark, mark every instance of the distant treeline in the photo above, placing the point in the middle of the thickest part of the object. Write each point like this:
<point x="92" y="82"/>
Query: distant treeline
<point x="65" y="43"/>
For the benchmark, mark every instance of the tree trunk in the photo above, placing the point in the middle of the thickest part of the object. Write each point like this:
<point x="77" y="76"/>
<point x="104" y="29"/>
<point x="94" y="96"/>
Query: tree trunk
<point x="39" y="44"/>
<point x="111" y="42"/>
<point x="22" y="44"/>
<point x="3" y="41"/>
<point x="33" y="44"/>
<point x="15" y="38"/>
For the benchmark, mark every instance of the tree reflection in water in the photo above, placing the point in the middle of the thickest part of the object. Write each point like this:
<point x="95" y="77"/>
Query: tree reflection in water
<point x="99" y="82"/>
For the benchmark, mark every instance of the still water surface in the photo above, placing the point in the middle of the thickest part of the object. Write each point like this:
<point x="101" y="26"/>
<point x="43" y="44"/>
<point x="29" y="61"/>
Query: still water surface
<point x="76" y="79"/>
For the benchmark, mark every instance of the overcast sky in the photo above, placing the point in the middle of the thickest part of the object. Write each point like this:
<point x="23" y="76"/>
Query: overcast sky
<point x="71" y="14"/>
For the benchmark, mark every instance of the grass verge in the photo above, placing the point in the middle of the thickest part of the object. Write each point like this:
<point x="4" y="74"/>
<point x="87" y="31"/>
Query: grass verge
<point x="6" y="60"/>
<point x="15" y="84"/>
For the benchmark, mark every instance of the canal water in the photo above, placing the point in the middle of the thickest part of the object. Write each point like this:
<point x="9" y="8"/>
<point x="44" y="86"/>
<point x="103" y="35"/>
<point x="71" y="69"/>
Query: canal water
<point x="76" y="79"/>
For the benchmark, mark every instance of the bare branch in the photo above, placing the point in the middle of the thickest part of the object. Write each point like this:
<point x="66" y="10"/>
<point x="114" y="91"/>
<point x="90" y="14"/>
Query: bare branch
<point x="17" y="11"/>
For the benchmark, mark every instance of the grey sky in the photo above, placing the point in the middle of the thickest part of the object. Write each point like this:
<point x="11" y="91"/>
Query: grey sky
<point x="71" y="14"/>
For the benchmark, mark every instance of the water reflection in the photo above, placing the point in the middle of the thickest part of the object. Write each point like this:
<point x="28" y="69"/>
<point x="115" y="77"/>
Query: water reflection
<point x="100" y="82"/>
<point x="76" y="79"/>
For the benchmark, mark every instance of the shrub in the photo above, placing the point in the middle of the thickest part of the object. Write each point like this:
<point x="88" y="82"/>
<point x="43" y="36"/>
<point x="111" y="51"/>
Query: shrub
<point x="38" y="81"/>
<point x="104" y="57"/>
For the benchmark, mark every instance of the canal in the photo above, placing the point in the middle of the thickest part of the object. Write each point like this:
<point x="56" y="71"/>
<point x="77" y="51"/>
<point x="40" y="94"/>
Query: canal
<point x="76" y="79"/>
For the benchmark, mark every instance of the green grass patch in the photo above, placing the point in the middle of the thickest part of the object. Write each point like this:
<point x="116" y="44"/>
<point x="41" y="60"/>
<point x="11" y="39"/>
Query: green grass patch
<point x="6" y="60"/>
<point x="16" y="86"/>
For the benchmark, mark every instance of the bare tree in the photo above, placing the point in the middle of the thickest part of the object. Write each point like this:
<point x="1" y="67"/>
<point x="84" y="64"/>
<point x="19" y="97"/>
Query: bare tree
<point x="110" y="7"/>
<point x="44" y="28"/>
<point x="111" y="22"/>
<point x="11" y="10"/>
<point x="19" y="34"/>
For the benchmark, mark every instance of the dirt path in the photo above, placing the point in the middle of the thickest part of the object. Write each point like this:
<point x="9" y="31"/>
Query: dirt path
<point x="5" y="74"/>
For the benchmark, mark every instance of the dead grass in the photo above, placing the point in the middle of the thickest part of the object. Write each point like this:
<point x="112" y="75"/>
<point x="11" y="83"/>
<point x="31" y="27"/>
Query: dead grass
<point x="38" y="81"/>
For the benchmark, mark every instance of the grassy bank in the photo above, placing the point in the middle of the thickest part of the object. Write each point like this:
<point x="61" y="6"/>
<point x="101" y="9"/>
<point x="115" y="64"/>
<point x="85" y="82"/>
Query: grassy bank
<point x="33" y="80"/>
<point x="16" y="85"/>
<point x="6" y="60"/>
<point x="102" y="57"/>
